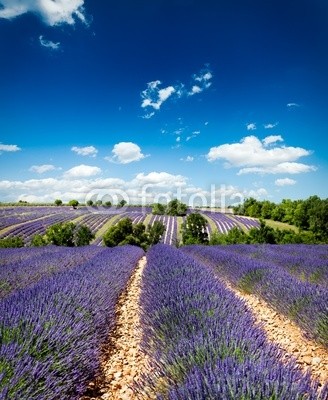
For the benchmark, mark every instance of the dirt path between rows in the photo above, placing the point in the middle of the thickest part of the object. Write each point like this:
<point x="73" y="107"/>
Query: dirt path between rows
<point x="123" y="361"/>
<point x="288" y="336"/>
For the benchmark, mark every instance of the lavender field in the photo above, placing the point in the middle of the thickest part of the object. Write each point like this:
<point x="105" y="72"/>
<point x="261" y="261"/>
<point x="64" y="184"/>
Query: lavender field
<point x="57" y="311"/>
<point x="28" y="221"/>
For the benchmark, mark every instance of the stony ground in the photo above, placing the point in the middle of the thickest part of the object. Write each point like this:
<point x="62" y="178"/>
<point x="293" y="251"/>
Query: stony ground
<point x="289" y="337"/>
<point x="124" y="363"/>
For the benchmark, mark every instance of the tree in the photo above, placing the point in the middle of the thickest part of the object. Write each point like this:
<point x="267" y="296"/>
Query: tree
<point x="125" y="232"/>
<point x="158" y="209"/>
<point x="155" y="232"/>
<point x="99" y="202"/>
<point x="264" y="234"/>
<point x="90" y="203"/>
<point x="61" y="234"/>
<point x="122" y="203"/>
<point x="194" y="229"/>
<point x="58" y="202"/>
<point x="176" y="208"/>
<point x="14" y="241"/>
<point x="73" y="203"/>
<point x="108" y="203"/>
<point x="38" y="241"/>
<point x="83" y="236"/>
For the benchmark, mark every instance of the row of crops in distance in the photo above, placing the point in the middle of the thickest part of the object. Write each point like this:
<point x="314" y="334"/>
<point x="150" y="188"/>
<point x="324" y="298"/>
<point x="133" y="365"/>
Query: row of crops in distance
<point x="29" y="221"/>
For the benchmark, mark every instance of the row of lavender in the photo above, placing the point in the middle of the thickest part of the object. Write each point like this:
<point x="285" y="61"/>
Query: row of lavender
<point x="307" y="262"/>
<point x="304" y="302"/>
<point x="20" y="268"/>
<point x="204" y="341"/>
<point x="51" y="332"/>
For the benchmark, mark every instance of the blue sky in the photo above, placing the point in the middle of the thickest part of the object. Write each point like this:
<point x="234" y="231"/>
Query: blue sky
<point x="210" y="101"/>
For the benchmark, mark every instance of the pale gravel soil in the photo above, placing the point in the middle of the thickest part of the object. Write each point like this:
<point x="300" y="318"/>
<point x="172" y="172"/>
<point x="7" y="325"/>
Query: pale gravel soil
<point x="123" y="361"/>
<point x="288" y="336"/>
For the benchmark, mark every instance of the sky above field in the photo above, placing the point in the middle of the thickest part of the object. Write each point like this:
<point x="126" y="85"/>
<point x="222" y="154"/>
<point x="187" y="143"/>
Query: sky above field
<point x="208" y="101"/>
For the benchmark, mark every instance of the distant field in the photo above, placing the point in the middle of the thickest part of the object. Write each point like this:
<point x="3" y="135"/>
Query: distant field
<point x="28" y="221"/>
<point x="280" y="225"/>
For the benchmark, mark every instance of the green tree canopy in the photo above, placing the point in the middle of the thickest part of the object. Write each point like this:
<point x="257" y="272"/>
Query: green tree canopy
<point x="73" y="203"/>
<point x="194" y="229"/>
<point x="125" y="232"/>
<point x="158" y="209"/>
<point x="64" y="234"/>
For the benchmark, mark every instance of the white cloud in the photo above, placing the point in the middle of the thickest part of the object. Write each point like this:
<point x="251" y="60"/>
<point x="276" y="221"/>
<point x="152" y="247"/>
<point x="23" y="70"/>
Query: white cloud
<point x="49" y="44"/>
<point x="9" y="147"/>
<point x="125" y="153"/>
<point x="178" y="139"/>
<point x="82" y="171"/>
<point x="251" y="126"/>
<point x="143" y="188"/>
<point x="187" y="159"/>
<point x="282" y="168"/>
<point x="52" y="12"/>
<point x="41" y="169"/>
<point x="149" y="115"/>
<point x="206" y="123"/>
<point x="251" y="154"/>
<point x="154" y="96"/>
<point x="90" y="151"/>
<point x="272" y="139"/>
<point x="293" y="105"/>
<point x="284" y="182"/>
<point x="161" y="179"/>
<point x="201" y="82"/>
<point x="193" y="135"/>
<point x="194" y="90"/>
<point x="271" y="126"/>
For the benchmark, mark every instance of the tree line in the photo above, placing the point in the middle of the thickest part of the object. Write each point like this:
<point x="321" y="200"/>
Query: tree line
<point x="310" y="215"/>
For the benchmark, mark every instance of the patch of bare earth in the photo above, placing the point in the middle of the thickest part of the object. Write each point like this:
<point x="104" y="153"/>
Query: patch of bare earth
<point x="123" y="361"/>
<point x="289" y="337"/>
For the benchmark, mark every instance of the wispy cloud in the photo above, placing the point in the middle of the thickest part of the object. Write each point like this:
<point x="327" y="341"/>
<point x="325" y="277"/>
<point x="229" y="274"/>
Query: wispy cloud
<point x="41" y="169"/>
<point x="52" y="12"/>
<point x="293" y="105"/>
<point x="125" y="153"/>
<point x="49" y="44"/>
<point x="251" y="126"/>
<point x="252" y="156"/>
<point x="90" y="151"/>
<point x="9" y="148"/>
<point x="201" y="81"/>
<point x="285" y="182"/>
<point x="82" y="171"/>
<point x="271" y="126"/>
<point x="154" y="95"/>
<point x="193" y="135"/>
<point x="272" y="139"/>
<point x="187" y="159"/>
